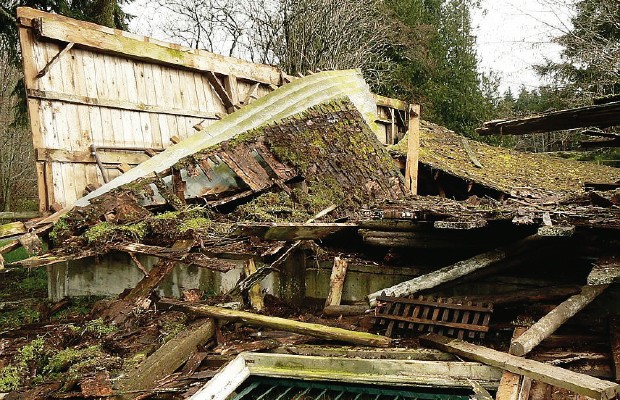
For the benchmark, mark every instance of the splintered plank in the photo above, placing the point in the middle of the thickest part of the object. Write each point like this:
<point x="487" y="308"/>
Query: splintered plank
<point x="172" y="254"/>
<point x="583" y="384"/>
<point x="12" y="229"/>
<point x="336" y="283"/>
<point x="280" y="170"/>
<point x="508" y="388"/>
<point x="247" y="169"/>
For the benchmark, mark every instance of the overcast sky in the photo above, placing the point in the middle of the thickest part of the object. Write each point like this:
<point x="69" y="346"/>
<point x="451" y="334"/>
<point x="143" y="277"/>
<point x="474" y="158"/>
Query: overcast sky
<point x="512" y="35"/>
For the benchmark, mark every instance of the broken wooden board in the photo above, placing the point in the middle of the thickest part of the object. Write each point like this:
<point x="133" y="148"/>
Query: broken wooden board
<point x="255" y="294"/>
<point x="552" y="321"/>
<point x="336" y="282"/>
<point x="12" y="229"/>
<point x="304" y="328"/>
<point x="510" y="384"/>
<point x="579" y="383"/>
<point x="170" y="356"/>
<point x="601" y="116"/>
<point x="291" y="230"/>
<point x="182" y="256"/>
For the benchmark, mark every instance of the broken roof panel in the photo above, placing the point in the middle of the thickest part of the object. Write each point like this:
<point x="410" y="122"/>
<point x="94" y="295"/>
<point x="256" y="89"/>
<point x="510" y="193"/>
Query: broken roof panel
<point x="503" y="169"/>
<point x="288" y="100"/>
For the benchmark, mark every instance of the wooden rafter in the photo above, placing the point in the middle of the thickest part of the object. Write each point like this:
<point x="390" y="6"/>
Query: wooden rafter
<point x="601" y="116"/>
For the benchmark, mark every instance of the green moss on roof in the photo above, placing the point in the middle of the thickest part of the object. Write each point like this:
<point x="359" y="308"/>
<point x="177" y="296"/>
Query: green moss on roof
<point x="504" y="169"/>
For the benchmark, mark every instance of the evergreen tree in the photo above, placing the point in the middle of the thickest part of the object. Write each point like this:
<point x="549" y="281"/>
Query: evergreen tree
<point x="436" y="63"/>
<point x="591" y="49"/>
<point x="103" y="12"/>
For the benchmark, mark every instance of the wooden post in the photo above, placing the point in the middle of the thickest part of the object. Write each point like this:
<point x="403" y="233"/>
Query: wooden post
<point x="283" y="324"/>
<point x="510" y="383"/>
<point x="556" y="376"/>
<point x="336" y="282"/>
<point x="552" y="321"/>
<point x="255" y="295"/>
<point x="413" y="149"/>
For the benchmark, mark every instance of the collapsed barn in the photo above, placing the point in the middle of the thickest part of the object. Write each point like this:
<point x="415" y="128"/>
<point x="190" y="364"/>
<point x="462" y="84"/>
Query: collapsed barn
<point x="338" y="218"/>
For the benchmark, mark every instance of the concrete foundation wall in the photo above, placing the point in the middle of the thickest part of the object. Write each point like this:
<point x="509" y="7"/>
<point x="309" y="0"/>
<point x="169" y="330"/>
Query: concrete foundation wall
<point x="112" y="274"/>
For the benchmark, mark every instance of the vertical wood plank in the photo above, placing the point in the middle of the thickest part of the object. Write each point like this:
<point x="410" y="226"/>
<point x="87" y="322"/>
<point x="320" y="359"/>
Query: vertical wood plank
<point x="413" y="149"/>
<point x="336" y="282"/>
<point x="27" y="42"/>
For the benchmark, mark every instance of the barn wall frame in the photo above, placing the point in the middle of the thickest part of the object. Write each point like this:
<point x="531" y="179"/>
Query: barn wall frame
<point x="102" y="101"/>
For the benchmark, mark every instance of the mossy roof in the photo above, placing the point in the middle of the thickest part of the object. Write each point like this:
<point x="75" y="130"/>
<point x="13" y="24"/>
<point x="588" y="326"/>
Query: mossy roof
<point x="504" y="169"/>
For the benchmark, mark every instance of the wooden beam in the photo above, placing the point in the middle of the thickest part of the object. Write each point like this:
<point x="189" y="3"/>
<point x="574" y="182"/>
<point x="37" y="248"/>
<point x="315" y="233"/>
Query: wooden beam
<point x="579" y="383"/>
<point x="413" y="149"/>
<point x="303" y="328"/>
<point x="344" y="310"/>
<point x="230" y="84"/>
<point x="371" y="353"/>
<point x="221" y="91"/>
<point x="167" y="359"/>
<point x="117" y="104"/>
<point x="510" y="383"/>
<point x="452" y="272"/>
<point x="112" y="41"/>
<point x="55" y="59"/>
<point x="19" y="214"/>
<point x="601" y="116"/>
<point x="389" y="102"/>
<point x="255" y="295"/>
<point x="336" y="282"/>
<point x="528" y="295"/>
<point x="552" y="321"/>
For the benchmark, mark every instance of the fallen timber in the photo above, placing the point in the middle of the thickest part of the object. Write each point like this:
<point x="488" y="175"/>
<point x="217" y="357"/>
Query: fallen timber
<point x="601" y="116"/>
<point x="552" y="321"/>
<point x="579" y="383"/>
<point x="304" y="328"/>
<point x="454" y="271"/>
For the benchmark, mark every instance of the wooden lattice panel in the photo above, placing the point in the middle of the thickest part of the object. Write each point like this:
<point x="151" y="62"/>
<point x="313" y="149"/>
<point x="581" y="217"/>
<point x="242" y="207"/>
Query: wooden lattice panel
<point x="421" y="314"/>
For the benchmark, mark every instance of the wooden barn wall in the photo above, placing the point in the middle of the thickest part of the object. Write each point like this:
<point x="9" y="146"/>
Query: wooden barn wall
<point x="127" y="95"/>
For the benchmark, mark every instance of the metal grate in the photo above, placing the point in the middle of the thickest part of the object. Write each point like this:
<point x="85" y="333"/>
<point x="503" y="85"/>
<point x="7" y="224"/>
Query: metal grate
<point x="258" y="388"/>
<point x="427" y="314"/>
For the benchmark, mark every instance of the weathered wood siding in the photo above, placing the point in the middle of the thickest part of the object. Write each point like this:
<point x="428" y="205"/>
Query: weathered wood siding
<point x="126" y="95"/>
